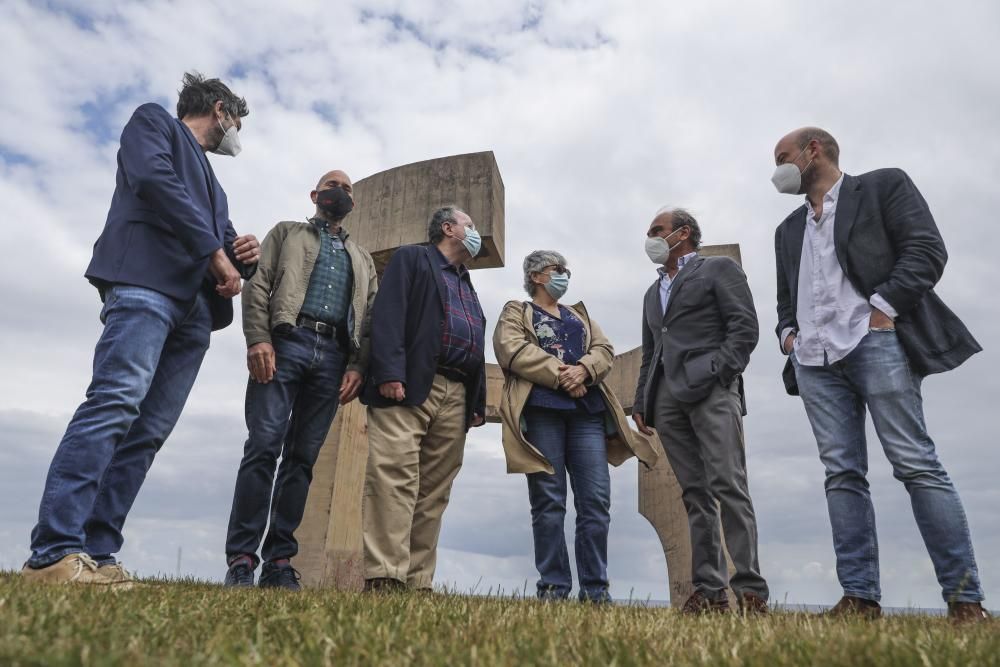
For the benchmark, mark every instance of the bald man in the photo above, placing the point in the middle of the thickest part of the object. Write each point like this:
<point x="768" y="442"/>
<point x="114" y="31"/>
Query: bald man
<point x="306" y="320"/>
<point x="859" y="319"/>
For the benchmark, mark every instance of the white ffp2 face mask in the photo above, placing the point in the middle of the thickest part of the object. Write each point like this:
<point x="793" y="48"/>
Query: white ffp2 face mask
<point x="657" y="248"/>
<point x="230" y="144"/>
<point x="787" y="178"/>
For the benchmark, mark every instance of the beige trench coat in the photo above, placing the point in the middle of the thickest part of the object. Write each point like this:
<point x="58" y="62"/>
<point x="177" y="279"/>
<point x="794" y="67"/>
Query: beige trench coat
<point x="525" y="364"/>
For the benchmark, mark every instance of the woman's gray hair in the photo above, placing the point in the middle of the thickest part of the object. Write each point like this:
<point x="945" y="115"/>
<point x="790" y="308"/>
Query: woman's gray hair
<point x="535" y="262"/>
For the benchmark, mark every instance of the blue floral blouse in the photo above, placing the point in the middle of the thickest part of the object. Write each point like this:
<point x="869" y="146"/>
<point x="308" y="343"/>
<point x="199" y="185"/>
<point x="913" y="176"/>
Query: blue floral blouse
<point x="564" y="338"/>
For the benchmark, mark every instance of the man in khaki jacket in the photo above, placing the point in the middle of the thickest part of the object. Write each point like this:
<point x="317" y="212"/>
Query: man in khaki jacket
<point x="306" y="319"/>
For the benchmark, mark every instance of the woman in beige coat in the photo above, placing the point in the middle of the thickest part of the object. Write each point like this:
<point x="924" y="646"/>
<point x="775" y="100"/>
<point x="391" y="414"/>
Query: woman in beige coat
<point x="559" y="418"/>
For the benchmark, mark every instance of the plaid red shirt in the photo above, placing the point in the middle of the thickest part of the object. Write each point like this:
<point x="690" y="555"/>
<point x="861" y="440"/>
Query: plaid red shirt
<point x="464" y="335"/>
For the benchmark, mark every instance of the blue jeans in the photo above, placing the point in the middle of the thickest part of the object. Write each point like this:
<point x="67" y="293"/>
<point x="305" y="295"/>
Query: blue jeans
<point x="877" y="375"/>
<point x="573" y="441"/>
<point x="289" y="416"/>
<point x="145" y="364"/>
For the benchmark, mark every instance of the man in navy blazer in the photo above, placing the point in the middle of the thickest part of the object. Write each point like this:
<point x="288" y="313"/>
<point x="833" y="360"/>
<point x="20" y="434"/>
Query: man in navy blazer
<point x="426" y="387"/>
<point x="167" y="266"/>
<point x="862" y="326"/>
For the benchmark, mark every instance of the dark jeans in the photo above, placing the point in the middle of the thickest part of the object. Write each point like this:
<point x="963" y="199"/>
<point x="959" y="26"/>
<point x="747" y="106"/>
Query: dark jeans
<point x="573" y="441"/>
<point x="306" y="388"/>
<point x="877" y="375"/>
<point x="145" y="364"/>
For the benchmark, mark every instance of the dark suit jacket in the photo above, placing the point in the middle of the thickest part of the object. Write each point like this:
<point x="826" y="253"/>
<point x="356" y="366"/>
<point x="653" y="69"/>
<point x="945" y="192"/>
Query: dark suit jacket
<point x="406" y="327"/>
<point x="886" y="241"/>
<point x="168" y="215"/>
<point x="705" y="337"/>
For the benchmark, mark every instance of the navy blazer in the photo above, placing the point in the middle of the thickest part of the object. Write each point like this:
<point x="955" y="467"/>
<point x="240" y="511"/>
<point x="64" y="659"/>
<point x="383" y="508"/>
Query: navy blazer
<point x="406" y="328"/>
<point x="886" y="241"/>
<point x="168" y="215"/>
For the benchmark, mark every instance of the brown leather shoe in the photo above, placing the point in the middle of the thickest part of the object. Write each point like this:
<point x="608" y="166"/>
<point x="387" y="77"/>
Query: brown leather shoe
<point x="699" y="603"/>
<point x="752" y="604"/>
<point x="967" y="612"/>
<point x="383" y="585"/>
<point x="852" y="607"/>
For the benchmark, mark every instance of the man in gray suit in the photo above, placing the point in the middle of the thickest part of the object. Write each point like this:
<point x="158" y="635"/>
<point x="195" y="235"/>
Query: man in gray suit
<point x="859" y="319"/>
<point x="699" y="327"/>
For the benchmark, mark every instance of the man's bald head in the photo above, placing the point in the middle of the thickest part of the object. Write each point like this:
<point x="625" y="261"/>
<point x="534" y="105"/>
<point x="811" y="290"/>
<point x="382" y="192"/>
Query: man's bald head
<point x="335" y="179"/>
<point x="801" y="138"/>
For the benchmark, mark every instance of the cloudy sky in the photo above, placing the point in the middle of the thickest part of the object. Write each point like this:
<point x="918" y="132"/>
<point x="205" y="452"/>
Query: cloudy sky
<point x="598" y="113"/>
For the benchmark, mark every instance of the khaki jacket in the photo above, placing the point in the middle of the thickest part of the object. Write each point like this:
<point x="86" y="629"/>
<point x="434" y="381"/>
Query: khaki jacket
<point x="276" y="292"/>
<point x="525" y="364"/>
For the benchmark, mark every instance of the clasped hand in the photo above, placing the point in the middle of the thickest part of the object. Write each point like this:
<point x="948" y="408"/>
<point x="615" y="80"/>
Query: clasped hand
<point x="572" y="380"/>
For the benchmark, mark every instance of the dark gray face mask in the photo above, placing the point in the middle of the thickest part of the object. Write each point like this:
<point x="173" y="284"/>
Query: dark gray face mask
<point x="335" y="202"/>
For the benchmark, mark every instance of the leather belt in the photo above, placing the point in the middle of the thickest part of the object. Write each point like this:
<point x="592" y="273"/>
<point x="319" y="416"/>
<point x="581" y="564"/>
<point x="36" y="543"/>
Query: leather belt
<point x="322" y="328"/>
<point x="453" y="374"/>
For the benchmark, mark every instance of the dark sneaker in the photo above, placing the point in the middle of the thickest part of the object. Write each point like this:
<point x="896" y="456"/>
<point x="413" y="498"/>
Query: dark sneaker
<point x="384" y="585"/>
<point x="279" y="576"/>
<point x="853" y="607"/>
<point x="699" y="603"/>
<point x="967" y="612"/>
<point x="752" y="604"/>
<point x="240" y="574"/>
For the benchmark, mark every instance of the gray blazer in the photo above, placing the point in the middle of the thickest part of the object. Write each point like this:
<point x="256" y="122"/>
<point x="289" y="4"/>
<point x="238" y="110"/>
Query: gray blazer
<point x="705" y="337"/>
<point x="886" y="241"/>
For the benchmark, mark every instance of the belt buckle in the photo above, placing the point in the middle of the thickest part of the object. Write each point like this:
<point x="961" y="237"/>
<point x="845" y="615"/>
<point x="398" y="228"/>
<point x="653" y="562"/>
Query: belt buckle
<point x="318" y="326"/>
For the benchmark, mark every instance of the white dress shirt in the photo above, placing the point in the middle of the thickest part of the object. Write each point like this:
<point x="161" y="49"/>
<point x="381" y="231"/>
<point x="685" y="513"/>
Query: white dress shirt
<point x="831" y="315"/>
<point x="667" y="283"/>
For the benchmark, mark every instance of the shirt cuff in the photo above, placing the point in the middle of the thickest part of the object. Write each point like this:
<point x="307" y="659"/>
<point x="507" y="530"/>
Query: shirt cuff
<point x="784" y="336"/>
<point x="878" y="302"/>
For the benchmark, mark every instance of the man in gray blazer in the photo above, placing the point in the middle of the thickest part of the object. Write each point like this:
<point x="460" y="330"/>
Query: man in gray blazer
<point x="699" y="327"/>
<point x="859" y="319"/>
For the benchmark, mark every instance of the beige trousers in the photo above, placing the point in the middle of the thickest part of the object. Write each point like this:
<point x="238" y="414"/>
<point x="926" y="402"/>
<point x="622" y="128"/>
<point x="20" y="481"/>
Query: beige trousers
<point x="414" y="454"/>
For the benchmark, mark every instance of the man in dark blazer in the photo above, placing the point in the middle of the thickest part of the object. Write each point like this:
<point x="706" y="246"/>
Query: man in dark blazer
<point x="859" y="319"/>
<point x="167" y="266"/>
<point x="426" y="387"/>
<point x="699" y="327"/>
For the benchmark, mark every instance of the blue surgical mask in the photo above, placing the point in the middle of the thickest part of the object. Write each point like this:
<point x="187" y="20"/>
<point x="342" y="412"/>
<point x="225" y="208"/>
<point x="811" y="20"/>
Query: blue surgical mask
<point x="472" y="241"/>
<point x="557" y="285"/>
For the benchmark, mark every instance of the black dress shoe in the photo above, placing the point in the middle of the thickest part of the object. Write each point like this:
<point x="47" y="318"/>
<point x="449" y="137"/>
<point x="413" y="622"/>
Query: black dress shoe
<point x="279" y="576"/>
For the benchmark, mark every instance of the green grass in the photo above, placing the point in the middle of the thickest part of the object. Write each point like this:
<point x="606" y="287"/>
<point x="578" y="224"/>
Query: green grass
<point x="189" y="623"/>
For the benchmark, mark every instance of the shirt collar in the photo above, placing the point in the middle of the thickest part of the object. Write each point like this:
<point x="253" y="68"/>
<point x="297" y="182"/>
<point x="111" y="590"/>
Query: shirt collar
<point x="323" y="225"/>
<point x="681" y="261"/>
<point x="832" y="195"/>
<point x="445" y="264"/>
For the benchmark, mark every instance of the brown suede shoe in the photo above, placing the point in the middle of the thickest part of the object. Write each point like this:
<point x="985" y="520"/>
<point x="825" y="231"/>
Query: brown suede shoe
<point x="852" y="607"/>
<point x="384" y="585"/>
<point x="699" y="603"/>
<point x="76" y="568"/>
<point x="752" y="604"/>
<point x="967" y="612"/>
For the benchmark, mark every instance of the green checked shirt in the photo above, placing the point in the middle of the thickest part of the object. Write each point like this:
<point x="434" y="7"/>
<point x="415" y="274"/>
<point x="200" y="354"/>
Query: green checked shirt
<point x="331" y="284"/>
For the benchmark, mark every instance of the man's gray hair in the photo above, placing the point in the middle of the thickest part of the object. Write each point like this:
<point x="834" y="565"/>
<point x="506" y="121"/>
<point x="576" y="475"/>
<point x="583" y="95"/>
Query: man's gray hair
<point x="444" y="214"/>
<point x="535" y="262"/>
<point x="680" y="217"/>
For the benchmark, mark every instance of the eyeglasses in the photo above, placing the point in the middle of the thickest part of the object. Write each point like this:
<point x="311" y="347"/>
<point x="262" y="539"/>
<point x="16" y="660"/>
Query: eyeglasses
<point x="561" y="270"/>
<point x="471" y="226"/>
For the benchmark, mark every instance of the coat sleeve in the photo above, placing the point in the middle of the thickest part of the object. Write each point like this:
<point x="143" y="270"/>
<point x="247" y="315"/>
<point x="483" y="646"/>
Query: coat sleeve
<point x="246" y="270"/>
<point x="257" y="291"/>
<point x="517" y="353"/>
<point x="600" y="356"/>
<point x="648" y="344"/>
<point x="735" y="302"/>
<point x="146" y="157"/>
<point x="359" y="358"/>
<point x="916" y="243"/>
<point x="786" y="311"/>
<point x="388" y="320"/>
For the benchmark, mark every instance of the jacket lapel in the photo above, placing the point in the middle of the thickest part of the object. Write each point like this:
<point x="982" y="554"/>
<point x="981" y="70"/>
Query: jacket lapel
<point x="433" y="261"/>
<point x="654" y="311"/>
<point x="794" y="238"/>
<point x="679" y="281"/>
<point x="846" y="216"/>
<point x="206" y="169"/>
